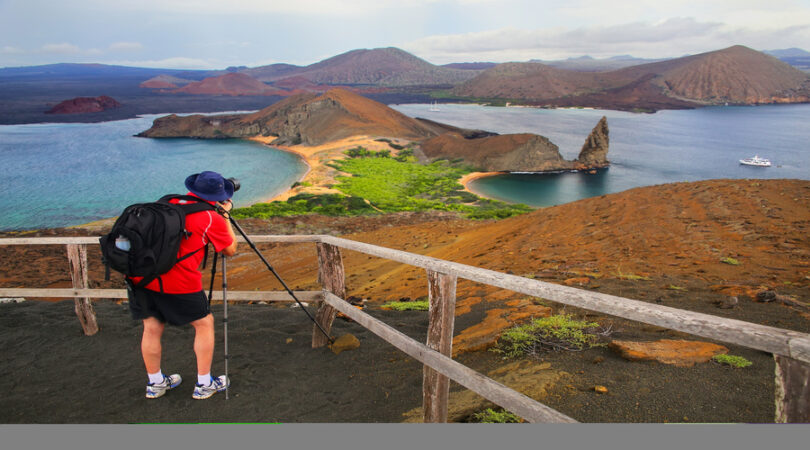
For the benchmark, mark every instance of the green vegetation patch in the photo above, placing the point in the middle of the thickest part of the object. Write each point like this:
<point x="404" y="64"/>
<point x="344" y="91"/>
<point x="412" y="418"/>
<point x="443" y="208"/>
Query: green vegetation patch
<point x="382" y="183"/>
<point x="730" y="261"/>
<point x="559" y="332"/>
<point x="733" y="361"/>
<point x="418" y="305"/>
<point x="491" y="416"/>
<point x="326" y="204"/>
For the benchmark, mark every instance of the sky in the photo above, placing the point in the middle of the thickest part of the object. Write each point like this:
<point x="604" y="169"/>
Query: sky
<point x="215" y="34"/>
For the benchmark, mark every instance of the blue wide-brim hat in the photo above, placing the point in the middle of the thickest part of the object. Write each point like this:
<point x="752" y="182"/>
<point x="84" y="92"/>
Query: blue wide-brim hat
<point x="210" y="186"/>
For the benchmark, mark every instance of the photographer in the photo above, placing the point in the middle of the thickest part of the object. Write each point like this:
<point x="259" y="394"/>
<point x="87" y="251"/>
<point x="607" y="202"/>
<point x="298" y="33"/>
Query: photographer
<point x="177" y="297"/>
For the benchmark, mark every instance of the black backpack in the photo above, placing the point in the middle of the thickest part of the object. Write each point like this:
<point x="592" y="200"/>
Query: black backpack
<point x="154" y="231"/>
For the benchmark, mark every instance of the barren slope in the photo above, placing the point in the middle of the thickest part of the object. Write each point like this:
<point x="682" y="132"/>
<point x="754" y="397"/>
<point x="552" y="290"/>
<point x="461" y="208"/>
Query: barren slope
<point x="737" y="74"/>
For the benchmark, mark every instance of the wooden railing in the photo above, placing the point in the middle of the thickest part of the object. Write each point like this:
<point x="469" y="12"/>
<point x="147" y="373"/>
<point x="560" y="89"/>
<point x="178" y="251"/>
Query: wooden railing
<point x="791" y="349"/>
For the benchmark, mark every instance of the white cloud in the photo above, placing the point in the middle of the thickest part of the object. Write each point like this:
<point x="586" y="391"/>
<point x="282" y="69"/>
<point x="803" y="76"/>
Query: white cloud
<point x="173" y="63"/>
<point x="126" y="46"/>
<point x="62" y="49"/>
<point x="303" y="7"/>
<point x="668" y="38"/>
<point x="9" y="50"/>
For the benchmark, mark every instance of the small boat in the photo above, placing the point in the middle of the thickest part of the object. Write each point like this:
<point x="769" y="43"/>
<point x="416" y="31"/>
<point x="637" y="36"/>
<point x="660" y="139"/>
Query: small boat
<point x="434" y="107"/>
<point x="756" y="161"/>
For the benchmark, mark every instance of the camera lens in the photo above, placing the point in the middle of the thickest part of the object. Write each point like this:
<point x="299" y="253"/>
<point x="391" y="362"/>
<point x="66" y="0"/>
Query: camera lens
<point x="235" y="183"/>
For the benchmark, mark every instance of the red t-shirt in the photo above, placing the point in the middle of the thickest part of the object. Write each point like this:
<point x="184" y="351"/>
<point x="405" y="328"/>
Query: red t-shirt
<point x="185" y="277"/>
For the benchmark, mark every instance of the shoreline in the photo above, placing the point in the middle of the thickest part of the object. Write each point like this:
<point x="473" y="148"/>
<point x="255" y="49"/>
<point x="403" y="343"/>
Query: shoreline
<point x="466" y="179"/>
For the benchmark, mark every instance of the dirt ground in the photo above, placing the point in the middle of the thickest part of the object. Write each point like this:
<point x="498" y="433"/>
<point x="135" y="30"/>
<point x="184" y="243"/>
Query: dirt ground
<point x="628" y="244"/>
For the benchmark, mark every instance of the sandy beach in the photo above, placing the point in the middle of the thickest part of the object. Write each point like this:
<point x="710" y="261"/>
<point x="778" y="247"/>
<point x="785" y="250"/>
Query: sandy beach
<point x="466" y="179"/>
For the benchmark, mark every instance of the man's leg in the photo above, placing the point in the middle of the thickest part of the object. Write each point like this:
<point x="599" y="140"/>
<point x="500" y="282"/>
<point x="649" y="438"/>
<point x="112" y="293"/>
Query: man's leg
<point x="151" y="351"/>
<point x="150" y="344"/>
<point x="204" y="343"/>
<point x="204" y="349"/>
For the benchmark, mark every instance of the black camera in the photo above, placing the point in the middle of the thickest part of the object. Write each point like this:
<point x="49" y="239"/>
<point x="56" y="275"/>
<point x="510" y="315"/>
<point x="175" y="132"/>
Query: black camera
<point x="236" y="184"/>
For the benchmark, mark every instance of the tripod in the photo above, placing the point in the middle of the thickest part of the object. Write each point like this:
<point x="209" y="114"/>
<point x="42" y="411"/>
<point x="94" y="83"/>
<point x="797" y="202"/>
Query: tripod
<point x="269" y="267"/>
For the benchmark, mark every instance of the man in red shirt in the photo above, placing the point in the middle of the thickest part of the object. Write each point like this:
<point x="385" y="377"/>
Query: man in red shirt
<point x="182" y="299"/>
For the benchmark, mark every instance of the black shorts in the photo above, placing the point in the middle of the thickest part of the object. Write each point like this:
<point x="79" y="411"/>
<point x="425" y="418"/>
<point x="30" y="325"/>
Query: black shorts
<point x="174" y="309"/>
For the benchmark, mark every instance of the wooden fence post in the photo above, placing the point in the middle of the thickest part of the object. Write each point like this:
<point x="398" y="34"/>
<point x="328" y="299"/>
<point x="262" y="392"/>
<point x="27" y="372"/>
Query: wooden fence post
<point x="792" y="390"/>
<point x="435" y="386"/>
<point x="77" y="259"/>
<point x="332" y="278"/>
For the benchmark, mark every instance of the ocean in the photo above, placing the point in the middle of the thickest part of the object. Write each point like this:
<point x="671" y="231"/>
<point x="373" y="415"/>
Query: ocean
<point x="645" y="149"/>
<point x="56" y="175"/>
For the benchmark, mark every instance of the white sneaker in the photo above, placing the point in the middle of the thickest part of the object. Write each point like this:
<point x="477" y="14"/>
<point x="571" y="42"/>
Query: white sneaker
<point x="217" y="384"/>
<point x="155" y="390"/>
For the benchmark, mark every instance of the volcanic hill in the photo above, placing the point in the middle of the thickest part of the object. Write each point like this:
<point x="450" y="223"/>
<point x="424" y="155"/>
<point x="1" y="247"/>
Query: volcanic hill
<point x="164" y="82"/>
<point x="307" y="119"/>
<point x="380" y="67"/>
<point x="228" y="84"/>
<point x="736" y="75"/>
<point x="81" y="105"/>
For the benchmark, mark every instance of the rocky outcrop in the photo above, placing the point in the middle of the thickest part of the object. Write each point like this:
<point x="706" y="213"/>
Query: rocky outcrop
<point x="517" y="152"/>
<point x="676" y="352"/>
<point x="594" y="152"/>
<point x="81" y="105"/>
<point x="502" y="153"/>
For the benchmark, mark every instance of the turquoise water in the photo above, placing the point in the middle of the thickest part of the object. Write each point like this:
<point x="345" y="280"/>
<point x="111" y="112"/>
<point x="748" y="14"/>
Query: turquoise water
<point x="56" y="175"/>
<point x="645" y="149"/>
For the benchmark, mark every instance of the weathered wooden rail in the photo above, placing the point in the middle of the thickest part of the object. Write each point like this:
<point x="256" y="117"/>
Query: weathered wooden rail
<point x="791" y="349"/>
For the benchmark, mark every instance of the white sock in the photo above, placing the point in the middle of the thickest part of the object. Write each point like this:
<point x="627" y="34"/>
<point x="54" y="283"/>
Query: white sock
<point x="156" y="377"/>
<point x="204" y="380"/>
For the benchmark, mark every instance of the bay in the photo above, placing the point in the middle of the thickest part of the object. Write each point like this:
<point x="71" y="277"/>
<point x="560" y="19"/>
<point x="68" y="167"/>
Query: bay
<point x="56" y="175"/>
<point x="645" y="149"/>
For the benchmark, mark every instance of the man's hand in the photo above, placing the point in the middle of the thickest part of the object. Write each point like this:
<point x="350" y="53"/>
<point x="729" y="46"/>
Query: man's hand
<point x="224" y="208"/>
<point x="227" y="205"/>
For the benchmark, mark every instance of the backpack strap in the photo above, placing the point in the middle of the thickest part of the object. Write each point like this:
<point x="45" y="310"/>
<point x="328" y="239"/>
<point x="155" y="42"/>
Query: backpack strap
<point x="197" y="205"/>
<point x="189" y="208"/>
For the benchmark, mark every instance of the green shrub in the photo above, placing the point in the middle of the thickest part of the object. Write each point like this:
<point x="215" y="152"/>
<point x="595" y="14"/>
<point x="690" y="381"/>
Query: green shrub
<point x="731" y="360"/>
<point x="418" y="305"/>
<point x="560" y="332"/>
<point x="326" y="204"/>
<point x="491" y="416"/>
<point x="730" y="261"/>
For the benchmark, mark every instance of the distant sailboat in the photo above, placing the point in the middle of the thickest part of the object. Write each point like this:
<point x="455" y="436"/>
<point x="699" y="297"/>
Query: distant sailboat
<point x="434" y="107"/>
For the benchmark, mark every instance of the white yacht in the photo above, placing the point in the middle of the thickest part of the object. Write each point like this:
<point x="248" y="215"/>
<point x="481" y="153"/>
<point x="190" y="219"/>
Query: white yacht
<point x="756" y="161"/>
